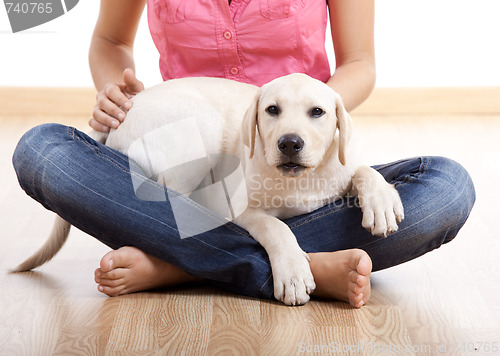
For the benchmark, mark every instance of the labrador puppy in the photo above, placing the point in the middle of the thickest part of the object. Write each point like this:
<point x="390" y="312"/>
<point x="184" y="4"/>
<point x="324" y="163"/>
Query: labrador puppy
<point x="294" y="141"/>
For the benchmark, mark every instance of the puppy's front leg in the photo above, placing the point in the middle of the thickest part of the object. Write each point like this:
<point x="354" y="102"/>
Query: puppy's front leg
<point x="380" y="202"/>
<point x="293" y="280"/>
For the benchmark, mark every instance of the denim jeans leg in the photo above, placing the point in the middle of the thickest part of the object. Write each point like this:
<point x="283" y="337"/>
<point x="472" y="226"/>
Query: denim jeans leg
<point x="437" y="195"/>
<point x="90" y="185"/>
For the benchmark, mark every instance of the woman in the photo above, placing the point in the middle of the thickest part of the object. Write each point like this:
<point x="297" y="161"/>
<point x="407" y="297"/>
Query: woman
<point x="253" y="41"/>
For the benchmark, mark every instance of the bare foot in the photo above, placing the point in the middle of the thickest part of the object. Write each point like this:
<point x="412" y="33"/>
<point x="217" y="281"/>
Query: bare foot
<point x="342" y="275"/>
<point x="129" y="270"/>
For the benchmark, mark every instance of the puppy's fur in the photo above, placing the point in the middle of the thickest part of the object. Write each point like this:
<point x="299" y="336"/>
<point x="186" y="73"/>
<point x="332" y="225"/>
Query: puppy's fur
<point x="293" y="137"/>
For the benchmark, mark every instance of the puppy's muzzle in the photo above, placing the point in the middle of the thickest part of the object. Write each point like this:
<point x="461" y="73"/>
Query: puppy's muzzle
<point x="290" y="145"/>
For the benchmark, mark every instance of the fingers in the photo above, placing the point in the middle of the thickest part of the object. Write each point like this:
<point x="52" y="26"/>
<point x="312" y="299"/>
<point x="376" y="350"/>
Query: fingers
<point x="97" y="126"/>
<point x="133" y="85"/>
<point x="110" y="107"/>
<point x="113" y="102"/>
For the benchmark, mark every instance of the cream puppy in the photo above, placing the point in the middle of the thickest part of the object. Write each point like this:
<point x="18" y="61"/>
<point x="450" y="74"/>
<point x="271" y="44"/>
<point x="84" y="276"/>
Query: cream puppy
<point x="293" y="140"/>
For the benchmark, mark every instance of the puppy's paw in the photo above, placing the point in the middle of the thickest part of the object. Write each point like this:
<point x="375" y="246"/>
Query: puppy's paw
<point x="382" y="210"/>
<point x="293" y="280"/>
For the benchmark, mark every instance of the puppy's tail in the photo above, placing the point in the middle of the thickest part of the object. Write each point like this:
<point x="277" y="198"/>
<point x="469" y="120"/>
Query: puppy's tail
<point x="57" y="238"/>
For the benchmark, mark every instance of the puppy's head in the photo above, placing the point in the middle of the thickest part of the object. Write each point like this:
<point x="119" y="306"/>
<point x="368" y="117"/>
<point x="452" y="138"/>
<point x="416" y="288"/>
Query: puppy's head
<point x="296" y="119"/>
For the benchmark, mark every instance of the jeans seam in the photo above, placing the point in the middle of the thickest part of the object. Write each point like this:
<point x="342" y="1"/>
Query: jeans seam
<point x="265" y="283"/>
<point x="422" y="170"/>
<point x="315" y="217"/>
<point x="155" y="184"/>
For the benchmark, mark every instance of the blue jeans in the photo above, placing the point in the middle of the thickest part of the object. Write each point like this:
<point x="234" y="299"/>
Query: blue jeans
<point x="90" y="186"/>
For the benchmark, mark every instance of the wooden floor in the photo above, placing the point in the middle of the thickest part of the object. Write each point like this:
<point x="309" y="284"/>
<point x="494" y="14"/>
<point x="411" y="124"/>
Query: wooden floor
<point x="447" y="302"/>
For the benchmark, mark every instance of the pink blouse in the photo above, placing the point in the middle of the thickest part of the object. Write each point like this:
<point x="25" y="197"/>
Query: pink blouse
<point x="252" y="41"/>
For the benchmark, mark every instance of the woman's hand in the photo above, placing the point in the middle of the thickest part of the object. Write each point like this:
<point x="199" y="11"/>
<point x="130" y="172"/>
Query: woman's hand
<point x="113" y="102"/>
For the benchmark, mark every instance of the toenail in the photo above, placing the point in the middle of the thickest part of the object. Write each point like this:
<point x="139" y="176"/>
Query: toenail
<point x="101" y="288"/>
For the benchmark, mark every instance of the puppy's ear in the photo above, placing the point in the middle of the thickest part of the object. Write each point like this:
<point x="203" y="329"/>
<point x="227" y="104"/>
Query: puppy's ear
<point x="249" y="125"/>
<point x="344" y="124"/>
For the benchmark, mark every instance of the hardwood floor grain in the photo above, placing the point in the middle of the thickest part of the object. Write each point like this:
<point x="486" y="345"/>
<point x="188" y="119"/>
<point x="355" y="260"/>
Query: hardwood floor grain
<point x="444" y="303"/>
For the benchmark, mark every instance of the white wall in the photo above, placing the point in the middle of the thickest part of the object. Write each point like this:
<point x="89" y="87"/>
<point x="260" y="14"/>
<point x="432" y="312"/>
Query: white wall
<point x="438" y="42"/>
<point x="418" y="43"/>
<point x="56" y="53"/>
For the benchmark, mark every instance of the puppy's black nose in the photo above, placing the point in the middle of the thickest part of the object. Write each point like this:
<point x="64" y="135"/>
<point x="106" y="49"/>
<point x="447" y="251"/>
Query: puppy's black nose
<point x="290" y="144"/>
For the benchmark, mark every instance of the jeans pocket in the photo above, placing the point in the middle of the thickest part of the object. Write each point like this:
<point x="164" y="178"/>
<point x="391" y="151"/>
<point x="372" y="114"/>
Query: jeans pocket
<point x="170" y="11"/>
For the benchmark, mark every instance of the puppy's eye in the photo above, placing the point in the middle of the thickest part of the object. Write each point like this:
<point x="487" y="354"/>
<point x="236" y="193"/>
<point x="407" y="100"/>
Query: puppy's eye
<point x="317" y="112"/>
<point x="273" y="110"/>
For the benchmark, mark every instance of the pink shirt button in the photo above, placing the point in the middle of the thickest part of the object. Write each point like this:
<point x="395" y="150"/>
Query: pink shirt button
<point x="234" y="71"/>
<point x="227" y="35"/>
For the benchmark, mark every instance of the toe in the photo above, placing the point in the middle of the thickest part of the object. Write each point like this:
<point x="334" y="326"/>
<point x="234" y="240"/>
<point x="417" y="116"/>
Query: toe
<point x="353" y="277"/>
<point x="310" y="286"/>
<point x="399" y="211"/>
<point x="392" y="224"/>
<point x="362" y="263"/>
<point x="368" y="221"/>
<point x="355" y="300"/>
<point x="111" y="291"/>
<point x="354" y="287"/>
<point x="107" y="261"/>
<point x="122" y="257"/>
<point x="362" y="281"/>
<point x="112" y="283"/>
<point x="380" y="223"/>
<point x="117" y="273"/>
<point x="97" y="275"/>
